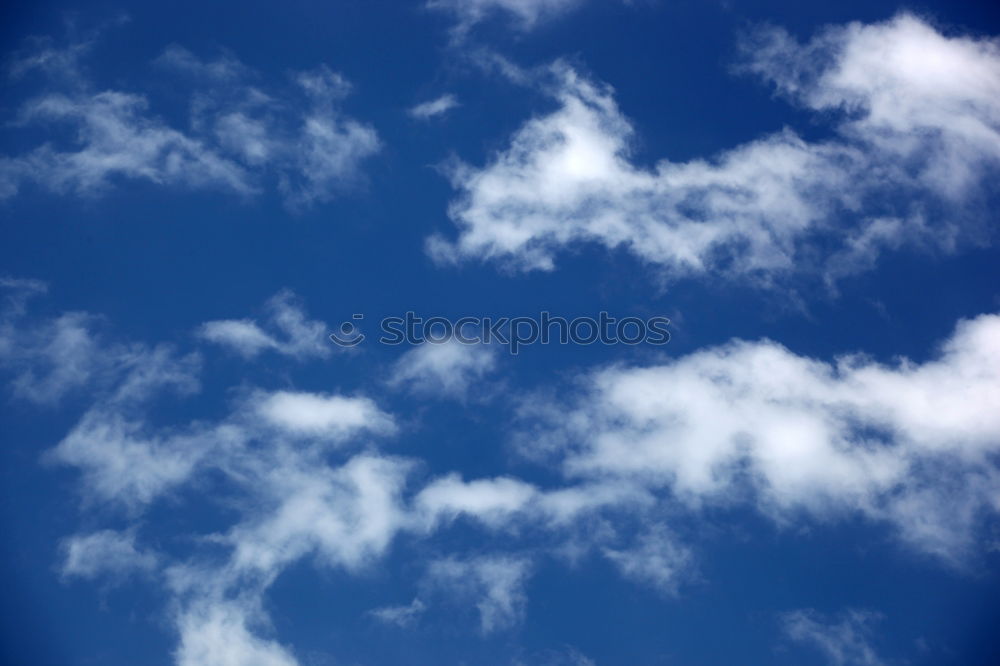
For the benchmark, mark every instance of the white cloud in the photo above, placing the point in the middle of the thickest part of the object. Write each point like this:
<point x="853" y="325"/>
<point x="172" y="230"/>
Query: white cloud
<point x="116" y="139"/>
<point x="122" y="462"/>
<point x="491" y="501"/>
<point x="447" y="368"/>
<point x="896" y="81"/>
<point x="329" y="149"/>
<point x="291" y="496"/>
<point x="218" y="634"/>
<point x="51" y="358"/>
<point x="105" y="552"/>
<point x="57" y="357"/>
<point x="569" y="656"/>
<point x="346" y="516"/>
<point x="226" y="68"/>
<point x="239" y="138"/>
<point x="846" y="642"/>
<point x="525" y="13"/>
<point x="910" y="444"/>
<point x="906" y="151"/>
<point x="656" y="558"/>
<point x="329" y="416"/>
<point x="402" y="616"/>
<point x="435" y="107"/>
<point x="494" y="583"/>
<point x="242" y="335"/>
<point x="289" y="331"/>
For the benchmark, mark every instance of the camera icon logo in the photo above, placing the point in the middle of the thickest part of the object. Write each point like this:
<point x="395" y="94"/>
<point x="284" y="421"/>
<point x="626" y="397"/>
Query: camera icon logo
<point x="348" y="334"/>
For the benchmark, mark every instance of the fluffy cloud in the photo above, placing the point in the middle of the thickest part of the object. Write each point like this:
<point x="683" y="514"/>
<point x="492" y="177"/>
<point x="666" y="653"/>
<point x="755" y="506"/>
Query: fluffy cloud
<point x="239" y="137"/>
<point x="491" y="501"/>
<point x="844" y="642"/>
<point x="221" y="634"/>
<point x="288" y="332"/>
<point x="905" y="168"/>
<point x="911" y="444"/>
<point x="448" y="368"/>
<point x="906" y="89"/>
<point x="329" y="416"/>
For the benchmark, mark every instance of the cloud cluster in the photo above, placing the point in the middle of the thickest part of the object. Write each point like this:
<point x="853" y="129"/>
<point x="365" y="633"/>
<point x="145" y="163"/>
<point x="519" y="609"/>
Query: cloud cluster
<point x="302" y="476"/>
<point x="240" y="138"/>
<point x="914" y="445"/>
<point x="907" y="166"/>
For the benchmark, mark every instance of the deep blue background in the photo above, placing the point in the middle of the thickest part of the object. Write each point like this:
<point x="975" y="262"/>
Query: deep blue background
<point x="157" y="262"/>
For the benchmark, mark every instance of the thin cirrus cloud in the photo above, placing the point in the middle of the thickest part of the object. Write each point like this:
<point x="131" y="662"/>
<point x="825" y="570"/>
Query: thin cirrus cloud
<point x="105" y="552"/>
<point x="402" y="616"/>
<point x="524" y="14"/>
<point x="434" y="108"/>
<point x="843" y="641"/>
<point x="287" y="330"/>
<point x="494" y="584"/>
<point x="917" y="139"/>
<point x="450" y="369"/>
<point x="241" y="138"/>
<point x="49" y="359"/>
<point x="306" y="478"/>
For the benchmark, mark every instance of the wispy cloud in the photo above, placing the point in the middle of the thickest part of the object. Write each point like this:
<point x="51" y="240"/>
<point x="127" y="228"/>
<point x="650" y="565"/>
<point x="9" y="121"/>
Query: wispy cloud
<point x="845" y="641"/>
<point x="494" y="584"/>
<point x="906" y="151"/>
<point x="288" y="331"/>
<point x="450" y="369"/>
<point x="240" y="139"/>
<point x="435" y="107"/>
<point x="105" y="552"/>
<point x="402" y="616"/>
<point x="524" y="14"/>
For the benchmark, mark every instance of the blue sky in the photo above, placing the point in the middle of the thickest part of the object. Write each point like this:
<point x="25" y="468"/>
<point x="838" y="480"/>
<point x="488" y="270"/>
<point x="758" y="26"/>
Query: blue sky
<point x="194" y="196"/>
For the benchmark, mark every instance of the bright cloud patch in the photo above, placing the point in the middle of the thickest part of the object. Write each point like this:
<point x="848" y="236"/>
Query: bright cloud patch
<point x="907" y="167"/>
<point x="331" y="416"/>
<point x="914" y="445"/>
